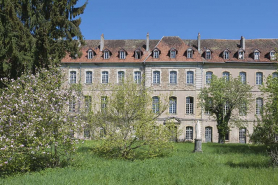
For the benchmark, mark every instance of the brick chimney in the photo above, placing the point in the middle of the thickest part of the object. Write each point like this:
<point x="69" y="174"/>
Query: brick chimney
<point x="199" y="42"/>
<point x="101" y="42"/>
<point x="148" y="42"/>
<point x="242" y="42"/>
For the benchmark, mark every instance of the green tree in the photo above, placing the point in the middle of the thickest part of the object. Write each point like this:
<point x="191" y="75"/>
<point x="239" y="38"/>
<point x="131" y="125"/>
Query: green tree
<point x="36" y="34"/>
<point x="221" y="97"/>
<point x="126" y="119"/>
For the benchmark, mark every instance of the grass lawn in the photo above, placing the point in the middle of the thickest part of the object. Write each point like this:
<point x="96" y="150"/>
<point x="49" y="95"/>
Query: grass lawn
<point x="219" y="164"/>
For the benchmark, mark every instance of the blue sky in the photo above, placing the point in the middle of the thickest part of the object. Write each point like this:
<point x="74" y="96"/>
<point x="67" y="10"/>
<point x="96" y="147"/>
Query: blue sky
<point x="214" y="19"/>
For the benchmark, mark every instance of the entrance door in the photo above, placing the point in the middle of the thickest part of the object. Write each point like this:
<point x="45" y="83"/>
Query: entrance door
<point x="208" y="134"/>
<point x="242" y="135"/>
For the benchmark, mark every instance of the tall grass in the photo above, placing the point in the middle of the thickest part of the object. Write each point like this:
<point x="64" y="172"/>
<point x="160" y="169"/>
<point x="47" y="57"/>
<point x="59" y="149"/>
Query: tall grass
<point x="218" y="164"/>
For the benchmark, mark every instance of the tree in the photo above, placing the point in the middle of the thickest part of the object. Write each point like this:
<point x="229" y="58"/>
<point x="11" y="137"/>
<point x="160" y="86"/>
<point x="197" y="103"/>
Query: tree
<point x="35" y="125"/>
<point x="36" y="34"/>
<point x="126" y="118"/>
<point x="222" y="97"/>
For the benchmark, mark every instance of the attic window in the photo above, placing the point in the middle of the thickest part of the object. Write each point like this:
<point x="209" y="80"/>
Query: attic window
<point x="189" y="53"/>
<point x="137" y="54"/>
<point x="208" y="54"/>
<point x="106" y="54"/>
<point x="272" y="55"/>
<point x="90" y="54"/>
<point x="173" y="53"/>
<point x="256" y="55"/>
<point x="122" y="54"/>
<point x="226" y="54"/>
<point x="241" y="54"/>
<point x="156" y="53"/>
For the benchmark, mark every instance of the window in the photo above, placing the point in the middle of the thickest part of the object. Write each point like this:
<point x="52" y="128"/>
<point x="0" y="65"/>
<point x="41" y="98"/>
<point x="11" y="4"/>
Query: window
<point x="155" y="104"/>
<point x="226" y="54"/>
<point x="208" y="54"/>
<point x="156" y="77"/>
<point x="156" y="53"/>
<point x="137" y="77"/>
<point x="88" y="103"/>
<point x="122" y="54"/>
<point x="259" y="78"/>
<point x="104" y="77"/>
<point x="106" y="54"/>
<point x="275" y="75"/>
<point x="240" y="54"/>
<point x="190" y="77"/>
<point x="89" y="77"/>
<point x="256" y="55"/>
<point x="208" y="77"/>
<point x="137" y="54"/>
<point x="259" y="105"/>
<point x="189" y="53"/>
<point x="121" y="76"/>
<point x="72" y="105"/>
<point x="207" y="108"/>
<point x="226" y="108"/>
<point x="242" y="77"/>
<point x="173" y="53"/>
<point x="103" y="103"/>
<point x="227" y="136"/>
<point x="189" y="105"/>
<point x="90" y="54"/>
<point x="272" y="55"/>
<point x="226" y="76"/>
<point x="72" y="79"/>
<point x="243" y="109"/>
<point x="173" y="105"/>
<point x="189" y="133"/>
<point x="173" y="77"/>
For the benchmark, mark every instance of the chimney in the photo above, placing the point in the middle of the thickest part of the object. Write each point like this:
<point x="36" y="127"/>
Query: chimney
<point x="199" y="42"/>
<point x="148" y="42"/>
<point x="101" y="42"/>
<point x="242" y="42"/>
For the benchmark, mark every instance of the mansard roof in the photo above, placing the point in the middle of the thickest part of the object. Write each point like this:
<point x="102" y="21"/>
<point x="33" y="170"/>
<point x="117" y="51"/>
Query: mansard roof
<point x="217" y="46"/>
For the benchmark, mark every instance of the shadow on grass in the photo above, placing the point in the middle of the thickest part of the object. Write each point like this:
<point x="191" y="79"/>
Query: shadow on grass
<point x="249" y="164"/>
<point x="84" y="149"/>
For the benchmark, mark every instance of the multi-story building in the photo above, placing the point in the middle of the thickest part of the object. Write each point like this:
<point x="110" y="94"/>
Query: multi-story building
<point x="179" y="68"/>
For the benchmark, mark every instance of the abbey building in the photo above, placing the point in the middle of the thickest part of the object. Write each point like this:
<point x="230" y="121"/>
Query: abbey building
<point x="180" y="68"/>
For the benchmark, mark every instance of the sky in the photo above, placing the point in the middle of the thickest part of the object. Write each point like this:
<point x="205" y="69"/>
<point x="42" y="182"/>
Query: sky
<point x="213" y="19"/>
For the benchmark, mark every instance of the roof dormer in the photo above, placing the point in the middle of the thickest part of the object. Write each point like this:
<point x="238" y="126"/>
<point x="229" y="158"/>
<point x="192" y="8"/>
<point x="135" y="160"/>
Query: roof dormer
<point x="156" y="53"/>
<point x="173" y="53"/>
<point x="272" y="55"/>
<point x="138" y="53"/>
<point x="226" y="54"/>
<point x="106" y="54"/>
<point x="90" y="54"/>
<point x="240" y="53"/>
<point x="208" y="54"/>
<point x="122" y="54"/>
<point x="189" y="53"/>
<point x="256" y="54"/>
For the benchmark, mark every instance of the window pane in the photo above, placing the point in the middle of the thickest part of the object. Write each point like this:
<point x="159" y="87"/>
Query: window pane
<point x="173" y="77"/>
<point x="173" y="54"/>
<point x="190" y="77"/>
<point x="226" y="76"/>
<point x="156" y="77"/>
<point x="155" y="104"/>
<point x="189" y="133"/>
<point x="137" y="77"/>
<point x="121" y="76"/>
<point x="259" y="78"/>
<point x="208" y="77"/>
<point x="259" y="105"/>
<point x="72" y="105"/>
<point x="189" y="105"/>
<point x="72" y="77"/>
<point x="104" y="78"/>
<point x="242" y="77"/>
<point x="89" y="77"/>
<point x="88" y="103"/>
<point x="173" y="105"/>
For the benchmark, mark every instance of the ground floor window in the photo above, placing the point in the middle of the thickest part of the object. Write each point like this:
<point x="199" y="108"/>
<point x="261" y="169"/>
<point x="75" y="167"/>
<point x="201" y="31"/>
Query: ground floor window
<point x="189" y="133"/>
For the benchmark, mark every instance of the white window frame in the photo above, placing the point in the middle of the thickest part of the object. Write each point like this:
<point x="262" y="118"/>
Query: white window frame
<point x="88" y="79"/>
<point x="189" y="133"/>
<point x="137" y="77"/>
<point x="241" y="55"/>
<point x="189" y="108"/>
<point x="189" y="53"/>
<point x="103" y="78"/>
<point x="226" y="54"/>
<point x="155" y="104"/>
<point x="156" y="78"/>
<point x="173" y="77"/>
<point x="103" y="103"/>
<point x="122" y="54"/>
<point x="243" y="109"/>
<point x="173" y="53"/>
<point x="208" y="77"/>
<point x="120" y="76"/>
<point x="137" y="54"/>
<point x="226" y="75"/>
<point x="72" y="105"/>
<point x="259" y="105"/>
<point x="242" y="75"/>
<point x="272" y="55"/>
<point x="106" y="54"/>
<point x="208" y="54"/>
<point x="156" y="53"/>
<point x="256" y="55"/>
<point x="90" y="54"/>
<point x="259" y="78"/>
<point x="190" y="77"/>
<point x="72" y="77"/>
<point x="173" y="105"/>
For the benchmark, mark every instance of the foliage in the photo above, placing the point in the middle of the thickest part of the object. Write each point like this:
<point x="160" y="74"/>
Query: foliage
<point x="38" y="33"/>
<point x="126" y="122"/>
<point x="35" y="127"/>
<point x="221" y="98"/>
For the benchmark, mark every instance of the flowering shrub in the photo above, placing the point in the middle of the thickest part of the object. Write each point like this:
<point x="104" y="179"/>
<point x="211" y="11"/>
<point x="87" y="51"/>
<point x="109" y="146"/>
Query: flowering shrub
<point x="36" y="129"/>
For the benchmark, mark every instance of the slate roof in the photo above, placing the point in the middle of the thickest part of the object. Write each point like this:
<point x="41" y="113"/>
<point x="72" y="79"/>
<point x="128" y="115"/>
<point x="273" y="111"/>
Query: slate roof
<point x="217" y="46"/>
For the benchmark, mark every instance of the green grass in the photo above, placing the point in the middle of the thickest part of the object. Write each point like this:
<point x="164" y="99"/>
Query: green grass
<point x="219" y="164"/>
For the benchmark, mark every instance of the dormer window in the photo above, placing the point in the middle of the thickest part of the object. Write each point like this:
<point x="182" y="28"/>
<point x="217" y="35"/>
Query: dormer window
<point x="106" y="54"/>
<point x="137" y="54"/>
<point x="241" y="54"/>
<point x="272" y="55"/>
<point x="256" y="54"/>
<point x="208" y="54"/>
<point x="173" y="53"/>
<point x="155" y="53"/>
<point x="122" y="54"/>
<point x="226" y="54"/>
<point x="90" y="54"/>
<point x="189" y="53"/>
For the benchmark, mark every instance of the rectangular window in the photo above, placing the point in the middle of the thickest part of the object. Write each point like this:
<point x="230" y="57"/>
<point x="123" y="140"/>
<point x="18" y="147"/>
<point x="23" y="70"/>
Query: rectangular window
<point x="103" y="103"/>
<point x="156" y="77"/>
<point x="240" y="55"/>
<point x="137" y="77"/>
<point x="72" y="105"/>
<point x="208" y="77"/>
<point x="137" y="54"/>
<point x="189" y="53"/>
<point x="242" y="77"/>
<point x="122" y="54"/>
<point x="155" y="104"/>
<point x="190" y="77"/>
<point x="72" y="79"/>
<point x="89" y="77"/>
<point x="226" y="55"/>
<point x="256" y="55"/>
<point x="243" y="109"/>
<point x="90" y="54"/>
<point x="259" y="78"/>
<point x="173" y="105"/>
<point x="272" y="55"/>
<point x="189" y="105"/>
<point x="208" y="106"/>
<point x="226" y="108"/>
<point x="88" y="103"/>
<point x="106" y="55"/>
<point x="208" y="55"/>
<point x="155" y="54"/>
<point x="173" y="77"/>
<point x="226" y="76"/>
<point x="172" y="54"/>
<point x="189" y="133"/>
<point x="259" y="105"/>
<point x="104" y="77"/>
<point x="121" y="76"/>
